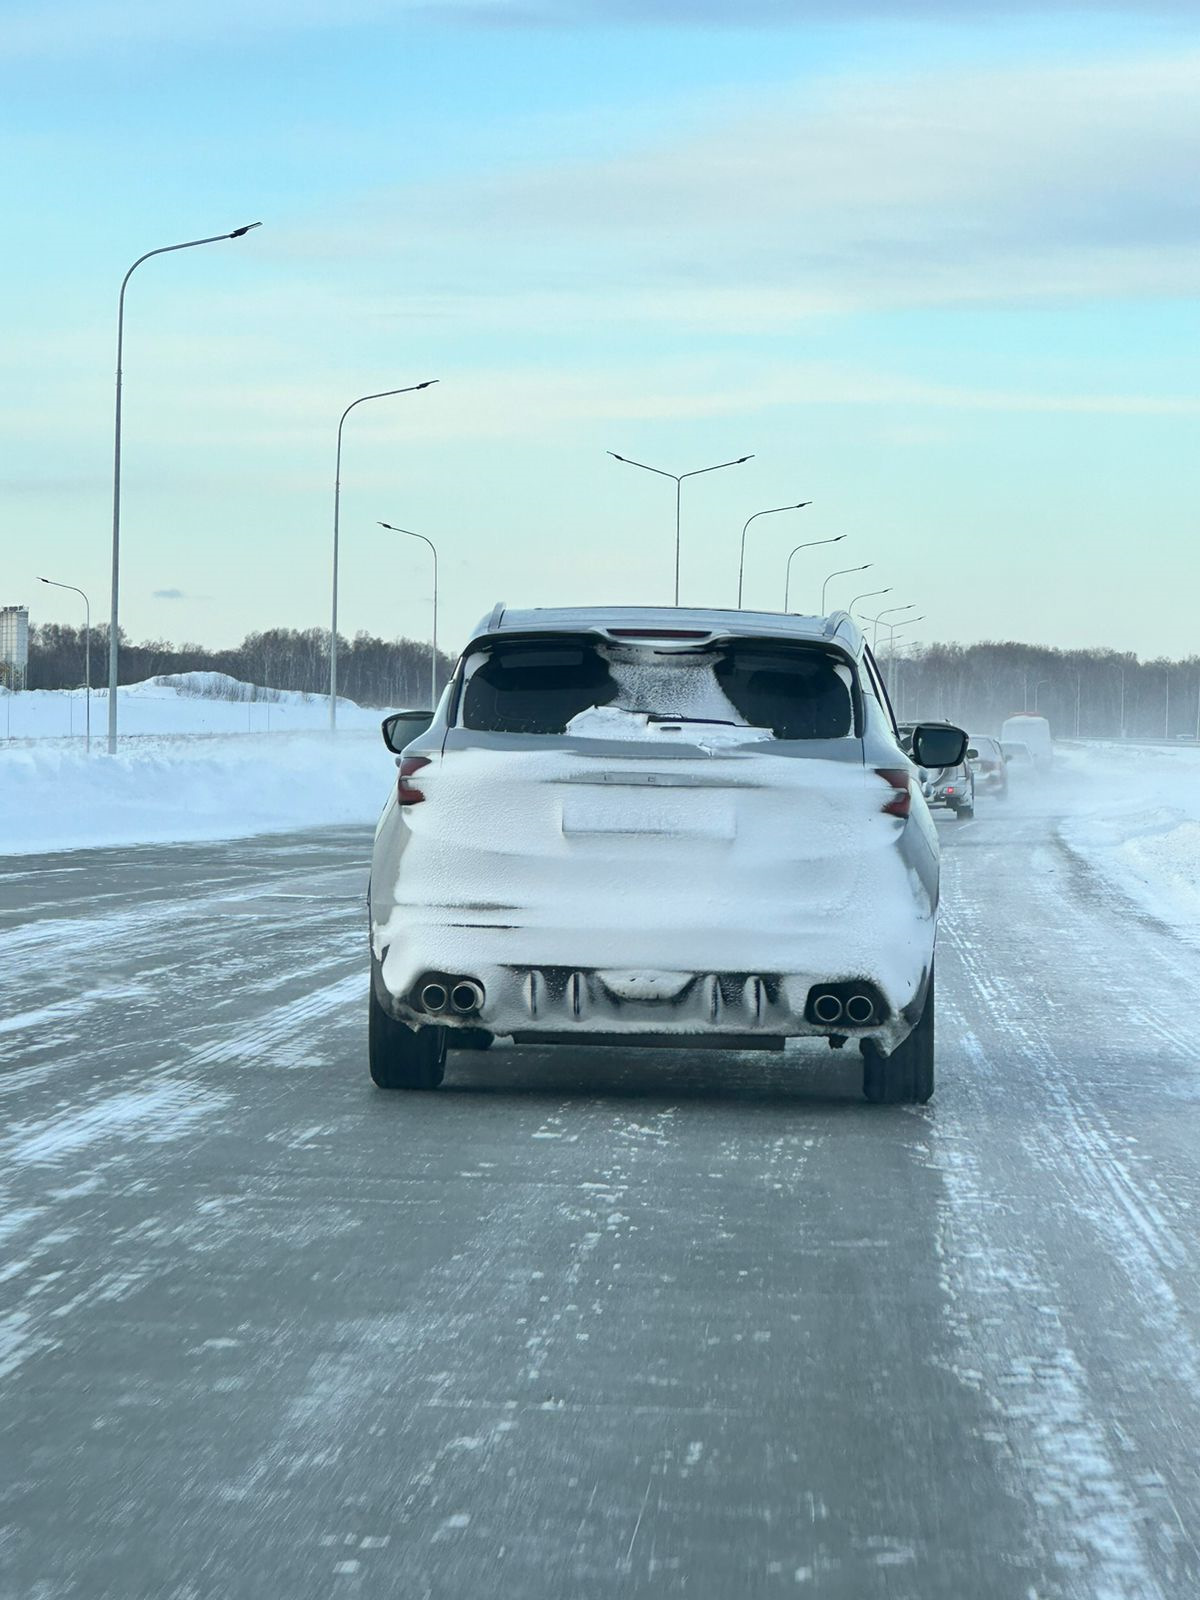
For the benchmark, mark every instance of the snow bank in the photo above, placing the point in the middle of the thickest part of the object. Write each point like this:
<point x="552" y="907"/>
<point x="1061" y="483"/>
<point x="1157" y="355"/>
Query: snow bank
<point x="1135" y="817"/>
<point x="177" y="703"/>
<point x="52" y="797"/>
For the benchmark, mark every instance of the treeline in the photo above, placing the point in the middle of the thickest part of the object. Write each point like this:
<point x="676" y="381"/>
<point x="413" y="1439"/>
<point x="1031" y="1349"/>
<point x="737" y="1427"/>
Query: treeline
<point x="1098" y="692"/>
<point x="1101" y="692"/>
<point x="371" y="671"/>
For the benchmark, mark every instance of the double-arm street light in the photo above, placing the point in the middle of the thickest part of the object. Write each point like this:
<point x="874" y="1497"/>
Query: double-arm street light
<point x="799" y="506"/>
<point x="87" y="657"/>
<point x="433" y="659"/>
<point x="841" y="573"/>
<point x="893" y="665"/>
<point x="114" y="621"/>
<point x="678" y="478"/>
<point x="337" y="496"/>
<point x="893" y="628"/>
<point x="887" y="611"/>
<point x="811" y="545"/>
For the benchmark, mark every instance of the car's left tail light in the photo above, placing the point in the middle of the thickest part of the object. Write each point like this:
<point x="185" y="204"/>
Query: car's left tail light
<point x="900" y="802"/>
<point x="407" y="792"/>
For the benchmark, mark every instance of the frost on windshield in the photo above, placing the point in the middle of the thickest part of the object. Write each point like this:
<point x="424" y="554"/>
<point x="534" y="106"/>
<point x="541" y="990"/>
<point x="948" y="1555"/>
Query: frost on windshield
<point x="588" y="688"/>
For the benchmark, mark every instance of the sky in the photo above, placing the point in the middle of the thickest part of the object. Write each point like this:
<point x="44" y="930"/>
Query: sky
<point x="933" y="265"/>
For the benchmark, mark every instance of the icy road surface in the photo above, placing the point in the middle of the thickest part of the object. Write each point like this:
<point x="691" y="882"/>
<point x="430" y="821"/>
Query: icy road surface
<point x="593" y="1324"/>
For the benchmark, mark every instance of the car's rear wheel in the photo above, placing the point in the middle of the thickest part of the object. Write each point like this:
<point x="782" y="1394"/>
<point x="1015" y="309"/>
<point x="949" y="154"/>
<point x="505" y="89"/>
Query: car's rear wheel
<point x="402" y="1057"/>
<point x="906" y="1076"/>
<point x="967" y="810"/>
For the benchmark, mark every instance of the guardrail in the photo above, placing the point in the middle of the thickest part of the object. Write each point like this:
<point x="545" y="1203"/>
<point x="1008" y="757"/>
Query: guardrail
<point x="1181" y="741"/>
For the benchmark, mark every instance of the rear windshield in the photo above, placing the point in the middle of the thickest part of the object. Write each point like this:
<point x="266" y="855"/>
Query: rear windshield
<point x="604" y="689"/>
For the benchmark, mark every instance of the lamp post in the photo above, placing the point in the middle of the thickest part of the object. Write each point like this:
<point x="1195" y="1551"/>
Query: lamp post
<point x="892" y="628"/>
<point x="433" y="652"/>
<point x="870" y="595"/>
<point x="799" y="506"/>
<point x="678" y="478"/>
<point x="113" y="625"/>
<point x="811" y="545"/>
<point x="887" y="612"/>
<point x="87" y="657"/>
<point x="1036" y="691"/>
<point x="337" y="495"/>
<point x="841" y="573"/>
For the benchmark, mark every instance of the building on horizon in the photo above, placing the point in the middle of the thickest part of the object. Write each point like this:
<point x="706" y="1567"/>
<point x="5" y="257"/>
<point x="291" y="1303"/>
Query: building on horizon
<point x="14" y="646"/>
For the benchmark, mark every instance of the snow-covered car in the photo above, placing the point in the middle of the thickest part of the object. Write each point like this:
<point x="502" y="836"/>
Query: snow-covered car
<point x="985" y="757"/>
<point x="659" y="827"/>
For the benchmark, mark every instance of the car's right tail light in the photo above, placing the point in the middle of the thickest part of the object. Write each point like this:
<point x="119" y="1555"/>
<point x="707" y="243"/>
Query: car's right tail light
<point x="407" y="792"/>
<point x="900" y="803"/>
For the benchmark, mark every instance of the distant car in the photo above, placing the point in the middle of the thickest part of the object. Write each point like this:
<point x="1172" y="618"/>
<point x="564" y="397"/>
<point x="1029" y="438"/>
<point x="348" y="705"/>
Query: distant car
<point x="953" y="788"/>
<point x="658" y="827"/>
<point x="1017" y="756"/>
<point x="985" y="757"/>
<point x="950" y="787"/>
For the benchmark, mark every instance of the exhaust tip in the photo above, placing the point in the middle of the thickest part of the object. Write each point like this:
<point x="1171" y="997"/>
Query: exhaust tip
<point x="434" y="997"/>
<point x="860" y="1008"/>
<point x="466" y="996"/>
<point x="827" y="1008"/>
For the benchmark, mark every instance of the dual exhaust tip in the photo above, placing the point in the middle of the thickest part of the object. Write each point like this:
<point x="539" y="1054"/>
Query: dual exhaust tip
<point x="461" y="996"/>
<point x="856" y="1009"/>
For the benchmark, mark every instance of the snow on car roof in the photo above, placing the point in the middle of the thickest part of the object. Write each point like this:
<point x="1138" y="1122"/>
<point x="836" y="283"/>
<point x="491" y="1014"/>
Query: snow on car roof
<point x="673" y="619"/>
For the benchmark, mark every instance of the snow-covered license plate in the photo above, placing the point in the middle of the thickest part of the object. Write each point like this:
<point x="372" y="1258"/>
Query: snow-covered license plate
<point x="681" y="813"/>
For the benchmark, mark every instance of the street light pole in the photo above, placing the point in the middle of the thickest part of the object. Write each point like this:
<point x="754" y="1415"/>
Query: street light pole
<point x="113" y="624"/>
<point x="87" y="658"/>
<point x="1037" y="688"/>
<point x="870" y="595"/>
<point x="337" y="496"/>
<point x="799" y="506"/>
<point x="678" y="478"/>
<point x="811" y="545"/>
<point x="434" y="652"/>
<point x="841" y="573"/>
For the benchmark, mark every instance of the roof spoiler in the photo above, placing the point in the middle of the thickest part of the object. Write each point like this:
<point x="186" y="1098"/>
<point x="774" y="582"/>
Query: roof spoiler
<point x="491" y="622"/>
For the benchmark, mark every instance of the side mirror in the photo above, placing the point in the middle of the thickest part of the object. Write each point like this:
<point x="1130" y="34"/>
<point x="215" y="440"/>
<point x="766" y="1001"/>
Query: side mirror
<point x="936" y="745"/>
<point x="972" y="753"/>
<point x="402" y="727"/>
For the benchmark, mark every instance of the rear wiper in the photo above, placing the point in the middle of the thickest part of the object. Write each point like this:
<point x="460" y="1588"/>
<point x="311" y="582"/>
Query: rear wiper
<point x="662" y="716"/>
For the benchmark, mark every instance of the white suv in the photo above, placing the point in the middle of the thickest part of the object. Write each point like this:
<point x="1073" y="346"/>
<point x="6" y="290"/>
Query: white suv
<point x="658" y="827"/>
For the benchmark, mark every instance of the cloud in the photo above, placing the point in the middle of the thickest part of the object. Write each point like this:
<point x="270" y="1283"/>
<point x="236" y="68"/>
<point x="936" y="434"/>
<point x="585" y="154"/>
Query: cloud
<point x="1067" y="182"/>
<point x="95" y="26"/>
<point x="170" y="594"/>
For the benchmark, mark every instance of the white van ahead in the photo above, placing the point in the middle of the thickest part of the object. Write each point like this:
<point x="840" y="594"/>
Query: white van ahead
<point x="1031" y="731"/>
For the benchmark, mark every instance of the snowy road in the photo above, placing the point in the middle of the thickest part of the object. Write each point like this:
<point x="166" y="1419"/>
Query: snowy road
<point x="587" y="1325"/>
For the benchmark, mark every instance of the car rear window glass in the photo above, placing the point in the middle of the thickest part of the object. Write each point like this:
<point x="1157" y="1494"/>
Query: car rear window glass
<point x="535" y="688"/>
<point x="798" y="694"/>
<point x="549" y="687"/>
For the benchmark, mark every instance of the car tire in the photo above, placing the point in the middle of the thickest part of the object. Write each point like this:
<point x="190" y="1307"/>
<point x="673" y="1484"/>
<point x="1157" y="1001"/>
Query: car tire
<point x="401" y="1057"/>
<point x="967" y="811"/>
<point x="906" y="1076"/>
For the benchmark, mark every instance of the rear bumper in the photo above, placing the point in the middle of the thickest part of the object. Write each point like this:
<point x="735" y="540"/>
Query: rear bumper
<point x="556" y="1004"/>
